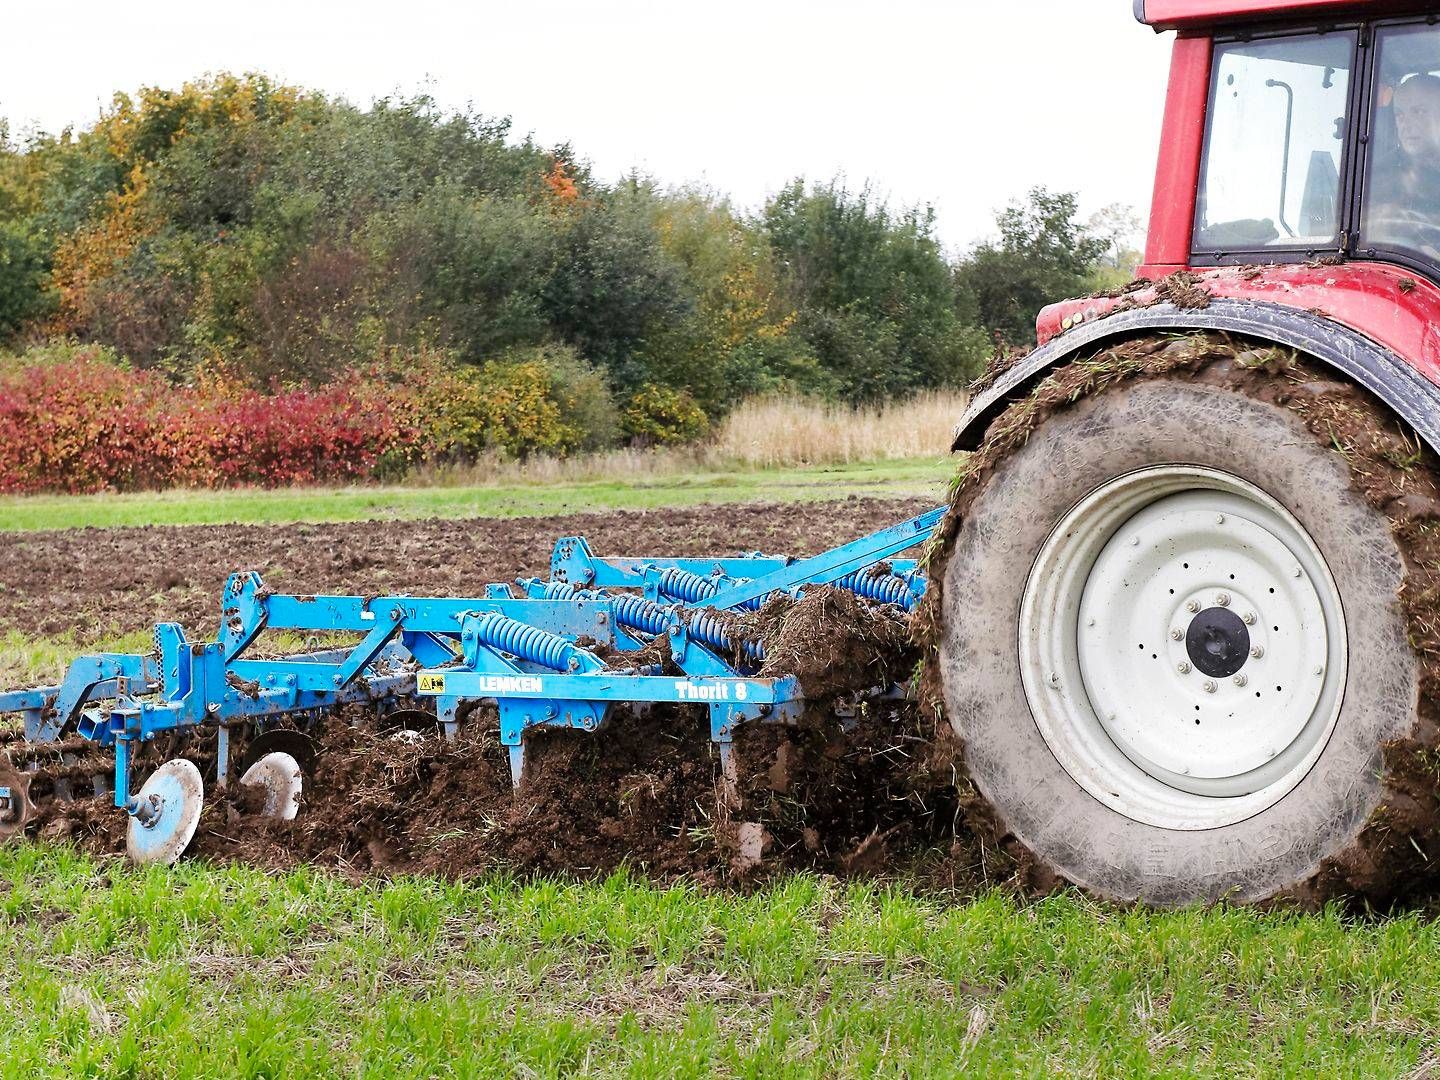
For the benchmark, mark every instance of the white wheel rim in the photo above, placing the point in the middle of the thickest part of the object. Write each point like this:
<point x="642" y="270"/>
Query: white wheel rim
<point x="1147" y="580"/>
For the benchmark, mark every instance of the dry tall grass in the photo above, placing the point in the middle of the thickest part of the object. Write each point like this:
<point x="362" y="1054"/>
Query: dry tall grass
<point x="775" y="432"/>
<point x="770" y="432"/>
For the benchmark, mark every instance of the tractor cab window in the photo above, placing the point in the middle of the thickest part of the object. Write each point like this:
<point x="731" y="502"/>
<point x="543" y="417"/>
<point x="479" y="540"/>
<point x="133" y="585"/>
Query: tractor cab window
<point x="1402" y="188"/>
<point x="1275" y="146"/>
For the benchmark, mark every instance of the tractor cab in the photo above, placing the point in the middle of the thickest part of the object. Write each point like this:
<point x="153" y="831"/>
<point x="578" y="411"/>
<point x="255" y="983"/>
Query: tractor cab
<point x="1302" y="131"/>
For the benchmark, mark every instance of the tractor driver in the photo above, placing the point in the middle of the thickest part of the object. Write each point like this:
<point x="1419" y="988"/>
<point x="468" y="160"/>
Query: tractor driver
<point x="1405" y="207"/>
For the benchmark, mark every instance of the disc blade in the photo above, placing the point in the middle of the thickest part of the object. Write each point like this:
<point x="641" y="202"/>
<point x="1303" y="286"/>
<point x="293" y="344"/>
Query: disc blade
<point x="279" y="775"/>
<point x="177" y="795"/>
<point x="16" y="812"/>
<point x="279" y="740"/>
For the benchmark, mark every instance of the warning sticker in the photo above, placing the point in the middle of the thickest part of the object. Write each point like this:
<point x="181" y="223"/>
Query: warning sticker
<point x="432" y="684"/>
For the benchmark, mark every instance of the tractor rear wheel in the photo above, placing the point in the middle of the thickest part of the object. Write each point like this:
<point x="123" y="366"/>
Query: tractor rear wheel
<point x="1173" y="644"/>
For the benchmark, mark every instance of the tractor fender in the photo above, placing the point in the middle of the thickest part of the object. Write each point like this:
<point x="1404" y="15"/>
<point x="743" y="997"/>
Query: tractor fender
<point x="1409" y="394"/>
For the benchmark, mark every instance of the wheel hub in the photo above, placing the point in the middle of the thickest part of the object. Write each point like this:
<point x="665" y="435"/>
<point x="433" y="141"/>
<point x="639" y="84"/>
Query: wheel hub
<point x="1183" y="647"/>
<point x="1218" y="642"/>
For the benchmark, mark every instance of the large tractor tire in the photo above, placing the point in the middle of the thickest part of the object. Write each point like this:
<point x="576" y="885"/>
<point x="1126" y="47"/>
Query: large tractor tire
<point x="1182" y="630"/>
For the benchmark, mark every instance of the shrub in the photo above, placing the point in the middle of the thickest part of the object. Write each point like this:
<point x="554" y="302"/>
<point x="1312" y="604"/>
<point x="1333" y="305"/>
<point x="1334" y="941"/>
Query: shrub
<point x="82" y="423"/>
<point x="660" y="415"/>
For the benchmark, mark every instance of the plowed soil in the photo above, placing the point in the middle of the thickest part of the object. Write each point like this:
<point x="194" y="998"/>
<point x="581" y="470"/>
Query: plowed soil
<point x="847" y="791"/>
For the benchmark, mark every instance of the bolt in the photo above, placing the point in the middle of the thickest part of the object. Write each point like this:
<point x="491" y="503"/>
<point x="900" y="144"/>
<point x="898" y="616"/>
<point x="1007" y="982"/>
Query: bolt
<point x="1248" y="618"/>
<point x="1257" y="652"/>
<point x="1209" y="687"/>
<point x="1054" y="681"/>
<point x="1219" y="519"/>
<point x="1295" y="572"/>
<point x="1183" y="667"/>
<point x="1134" y="541"/>
<point x="1177" y="635"/>
<point x="1319" y="670"/>
<point x="1223" y="599"/>
<point x="1241" y="680"/>
<point x="1089" y="622"/>
<point x="1192" y="606"/>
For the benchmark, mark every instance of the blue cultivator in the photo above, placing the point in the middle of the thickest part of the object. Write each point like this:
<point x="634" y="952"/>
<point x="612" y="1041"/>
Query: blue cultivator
<point x="537" y="656"/>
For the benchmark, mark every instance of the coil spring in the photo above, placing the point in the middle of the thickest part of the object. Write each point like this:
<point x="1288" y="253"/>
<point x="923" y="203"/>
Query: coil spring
<point x="637" y="613"/>
<point x="886" y="588"/>
<point x="691" y="588"/>
<point x="683" y="585"/>
<point x="706" y="626"/>
<point x="527" y="642"/>
<point x="559" y="590"/>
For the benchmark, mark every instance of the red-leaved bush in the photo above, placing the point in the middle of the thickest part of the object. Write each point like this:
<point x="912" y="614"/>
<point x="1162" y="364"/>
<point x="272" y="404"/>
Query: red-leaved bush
<point x="83" y="424"/>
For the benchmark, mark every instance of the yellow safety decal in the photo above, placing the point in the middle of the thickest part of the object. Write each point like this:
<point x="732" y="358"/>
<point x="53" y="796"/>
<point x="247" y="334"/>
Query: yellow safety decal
<point x="432" y="684"/>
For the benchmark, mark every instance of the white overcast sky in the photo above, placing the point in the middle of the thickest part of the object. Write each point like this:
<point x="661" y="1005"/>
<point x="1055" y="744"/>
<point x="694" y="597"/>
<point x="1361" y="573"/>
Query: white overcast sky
<point x="962" y="104"/>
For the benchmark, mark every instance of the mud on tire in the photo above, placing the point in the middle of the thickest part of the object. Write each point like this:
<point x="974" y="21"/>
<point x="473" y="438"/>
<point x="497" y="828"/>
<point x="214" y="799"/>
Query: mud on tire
<point x="1362" y="817"/>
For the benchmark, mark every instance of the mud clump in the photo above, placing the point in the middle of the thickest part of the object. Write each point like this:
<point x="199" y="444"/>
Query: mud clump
<point x="833" y="641"/>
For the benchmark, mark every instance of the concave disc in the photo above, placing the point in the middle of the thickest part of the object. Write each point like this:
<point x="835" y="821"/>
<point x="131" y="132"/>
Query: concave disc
<point x="279" y="775"/>
<point x="17" y="815"/>
<point x="176" y="791"/>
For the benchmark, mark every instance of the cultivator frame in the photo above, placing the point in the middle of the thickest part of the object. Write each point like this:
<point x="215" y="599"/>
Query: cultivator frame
<point x="535" y="655"/>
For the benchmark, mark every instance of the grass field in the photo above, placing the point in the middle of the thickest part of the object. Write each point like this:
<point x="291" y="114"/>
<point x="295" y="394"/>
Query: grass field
<point x="923" y="477"/>
<point x="200" y="972"/>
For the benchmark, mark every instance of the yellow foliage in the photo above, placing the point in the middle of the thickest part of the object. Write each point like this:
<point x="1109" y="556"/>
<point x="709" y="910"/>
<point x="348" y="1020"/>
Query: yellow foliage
<point x="135" y="131"/>
<point x="659" y="415"/>
<point x="505" y="405"/>
<point x="92" y="253"/>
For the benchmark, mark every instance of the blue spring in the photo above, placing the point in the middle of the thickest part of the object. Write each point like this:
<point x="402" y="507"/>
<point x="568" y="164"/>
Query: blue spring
<point x="683" y="585"/>
<point x="527" y="642"/>
<point x="560" y="590"/>
<point x="692" y="588"/>
<point x="886" y="588"/>
<point x="706" y="626"/>
<point x="637" y="613"/>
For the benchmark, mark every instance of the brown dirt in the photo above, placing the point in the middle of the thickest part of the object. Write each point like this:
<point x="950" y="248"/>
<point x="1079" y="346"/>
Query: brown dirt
<point x="641" y="793"/>
<point x="1397" y="855"/>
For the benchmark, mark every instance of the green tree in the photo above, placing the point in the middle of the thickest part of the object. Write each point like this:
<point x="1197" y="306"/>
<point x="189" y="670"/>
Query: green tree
<point x="1043" y="255"/>
<point x="873" y="292"/>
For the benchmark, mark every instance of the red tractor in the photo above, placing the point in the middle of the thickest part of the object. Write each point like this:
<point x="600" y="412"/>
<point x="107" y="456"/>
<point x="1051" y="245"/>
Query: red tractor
<point x="1188" y="625"/>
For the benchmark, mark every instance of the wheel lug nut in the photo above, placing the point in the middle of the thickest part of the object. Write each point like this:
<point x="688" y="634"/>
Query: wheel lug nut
<point x="1177" y="635"/>
<point x="1241" y="680"/>
<point x="1192" y="606"/>
<point x="1248" y="618"/>
<point x="1319" y="670"/>
<point x="1209" y="687"/>
<point x="1183" y="667"/>
<point x="1223" y="599"/>
<point x="1257" y="652"/>
<point x="1219" y="519"/>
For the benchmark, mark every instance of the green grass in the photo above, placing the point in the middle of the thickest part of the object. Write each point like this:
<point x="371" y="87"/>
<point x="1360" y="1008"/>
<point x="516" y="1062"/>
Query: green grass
<point x="204" y="972"/>
<point x="922" y="478"/>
